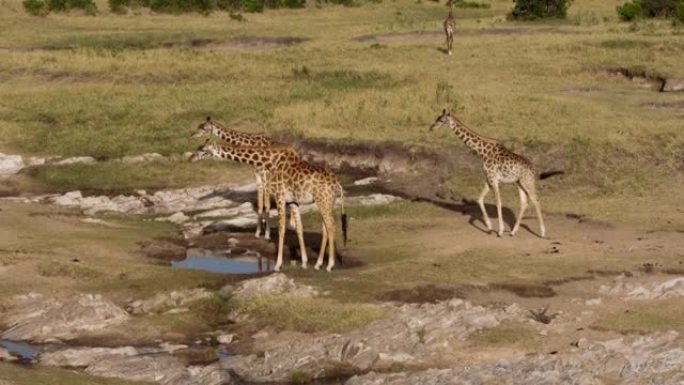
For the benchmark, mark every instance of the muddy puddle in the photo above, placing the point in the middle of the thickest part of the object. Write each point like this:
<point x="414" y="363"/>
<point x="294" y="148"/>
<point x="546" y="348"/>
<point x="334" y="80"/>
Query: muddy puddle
<point x="228" y="261"/>
<point x="26" y="353"/>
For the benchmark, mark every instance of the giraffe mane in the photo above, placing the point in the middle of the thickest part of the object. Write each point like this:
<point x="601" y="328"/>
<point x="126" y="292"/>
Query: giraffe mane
<point x="480" y="136"/>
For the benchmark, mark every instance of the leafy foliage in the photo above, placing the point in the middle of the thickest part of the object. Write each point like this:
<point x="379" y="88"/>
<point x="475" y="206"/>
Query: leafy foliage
<point x="539" y="9"/>
<point x="43" y="7"/>
<point x="637" y="9"/>
<point x="35" y="7"/>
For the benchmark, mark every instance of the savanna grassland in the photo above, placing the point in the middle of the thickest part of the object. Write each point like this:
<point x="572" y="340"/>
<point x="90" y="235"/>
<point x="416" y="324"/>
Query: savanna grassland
<point x="111" y="85"/>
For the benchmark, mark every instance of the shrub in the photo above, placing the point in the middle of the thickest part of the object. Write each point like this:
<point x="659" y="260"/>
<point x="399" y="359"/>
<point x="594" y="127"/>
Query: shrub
<point x="67" y="5"/>
<point x="637" y="9"/>
<point x="629" y="11"/>
<point x="539" y="9"/>
<point x="119" y="6"/>
<point x="35" y="7"/>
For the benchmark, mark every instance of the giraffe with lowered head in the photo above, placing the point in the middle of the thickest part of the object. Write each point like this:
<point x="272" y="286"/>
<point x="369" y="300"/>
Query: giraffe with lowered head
<point x="237" y="138"/>
<point x="449" y="26"/>
<point x="500" y="165"/>
<point x="293" y="182"/>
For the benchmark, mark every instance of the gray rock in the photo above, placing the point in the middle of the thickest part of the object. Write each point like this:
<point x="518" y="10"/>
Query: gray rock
<point x="76" y="160"/>
<point x="10" y="164"/>
<point x="177" y="218"/>
<point x="6" y="356"/>
<point x="142" y="158"/>
<point x="160" y="369"/>
<point x="673" y="85"/>
<point x="277" y="283"/>
<point x="82" y="357"/>
<point x="164" y="301"/>
<point x="39" y="318"/>
<point x="366" y="181"/>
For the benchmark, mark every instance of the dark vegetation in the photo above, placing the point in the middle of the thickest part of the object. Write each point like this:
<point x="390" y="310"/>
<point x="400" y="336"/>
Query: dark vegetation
<point x="643" y="9"/>
<point x="43" y="7"/>
<point x="539" y="9"/>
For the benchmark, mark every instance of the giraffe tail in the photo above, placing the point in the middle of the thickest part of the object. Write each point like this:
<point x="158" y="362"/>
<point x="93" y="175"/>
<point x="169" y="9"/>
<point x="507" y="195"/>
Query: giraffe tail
<point x="345" y="222"/>
<point x="549" y="174"/>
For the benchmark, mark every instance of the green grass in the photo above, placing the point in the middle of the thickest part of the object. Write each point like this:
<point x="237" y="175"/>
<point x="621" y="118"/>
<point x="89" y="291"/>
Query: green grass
<point x="644" y="318"/>
<point x="30" y="375"/>
<point x="310" y="315"/>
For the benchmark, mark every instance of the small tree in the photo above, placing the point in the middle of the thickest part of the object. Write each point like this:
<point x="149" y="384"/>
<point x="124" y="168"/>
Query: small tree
<point x="637" y="9"/>
<point x="539" y="9"/>
<point x="35" y="7"/>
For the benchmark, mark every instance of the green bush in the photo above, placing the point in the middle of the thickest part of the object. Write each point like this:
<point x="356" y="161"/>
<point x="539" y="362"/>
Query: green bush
<point x="35" y="7"/>
<point x="67" y="5"/>
<point x="539" y="9"/>
<point x="637" y="9"/>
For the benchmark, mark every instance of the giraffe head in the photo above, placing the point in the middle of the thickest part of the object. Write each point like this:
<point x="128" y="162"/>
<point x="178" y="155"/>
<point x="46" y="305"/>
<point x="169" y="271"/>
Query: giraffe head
<point x="205" y="128"/>
<point x="205" y="151"/>
<point x="444" y="120"/>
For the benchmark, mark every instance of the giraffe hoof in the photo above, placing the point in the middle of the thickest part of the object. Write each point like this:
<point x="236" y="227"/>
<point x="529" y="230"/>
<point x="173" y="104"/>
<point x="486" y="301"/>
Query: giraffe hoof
<point x="304" y="266"/>
<point x="317" y="267"/>
<point x="329" y="269"/>
<point x="277" y="268"/>
<point x="499" y="234"/>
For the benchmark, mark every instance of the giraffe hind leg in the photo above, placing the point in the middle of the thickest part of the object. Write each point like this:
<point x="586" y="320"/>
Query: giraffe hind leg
<point x="523" y="207"/>
<point x="497" y="194"/>
<point x="260" y="207"/>
<point x="321" y="252"/>
<point x="294" y="213"/>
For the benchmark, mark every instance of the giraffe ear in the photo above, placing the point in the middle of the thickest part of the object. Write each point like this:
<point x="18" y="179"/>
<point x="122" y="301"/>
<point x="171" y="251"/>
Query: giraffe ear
<point x="208" y="118"/>
<point x="444" y="111"/>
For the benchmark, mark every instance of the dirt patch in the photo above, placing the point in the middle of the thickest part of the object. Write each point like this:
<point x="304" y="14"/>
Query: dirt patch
<point x="392" y="36"/>
<point x="254" y="43"/>
<point x="166" y="249"/>
<point x="525" y="291"/>
<point x="641" y="76"/>
<point x="665" y="105"/>
<point x="420" y="294"/>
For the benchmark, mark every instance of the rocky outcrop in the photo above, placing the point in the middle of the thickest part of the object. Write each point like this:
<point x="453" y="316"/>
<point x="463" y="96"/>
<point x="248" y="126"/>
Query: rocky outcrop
<point x="277" y="283"/>
<point x="636" y="292"/>
<point x="413" y="334"/>
<point x="39" y="318"/>
<point x="166" y="301"/>
<point x="83" y="357"/>
<point x="10" y="164"/>
<point x="673" y="85"/>
<point x="640" y="361"/>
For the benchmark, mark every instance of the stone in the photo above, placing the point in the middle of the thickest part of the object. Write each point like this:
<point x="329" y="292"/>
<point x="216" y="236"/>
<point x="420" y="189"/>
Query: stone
<point x="6" y="356"/>
<point x="162" y="302"/>
<point x="277" y="283"/>
<point x="39" y="318"/>
<point x="142" y="158"/>
<point x="76" y="160"/>
<point x="82" y="357"/>
<point x="593" y="302"/>
<point x="177" y="218"/>
<point x="160" y="369"/>
<point x="673" y="85"/>
<point x="10" y="164"/>
<point x="225" y="338"/>
<point x="366" y="181"/>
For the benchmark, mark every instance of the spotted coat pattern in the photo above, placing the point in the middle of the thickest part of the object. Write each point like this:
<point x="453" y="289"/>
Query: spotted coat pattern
<point x="500" y="165"/>
<point x="237" y="138"/>
<point x="292" y="181"/>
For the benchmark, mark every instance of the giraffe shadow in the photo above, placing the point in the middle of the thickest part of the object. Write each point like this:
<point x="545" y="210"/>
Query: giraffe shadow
<point x="443" y="50"/>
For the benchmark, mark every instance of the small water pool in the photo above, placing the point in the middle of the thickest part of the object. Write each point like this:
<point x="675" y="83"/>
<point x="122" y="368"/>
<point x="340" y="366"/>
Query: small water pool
<point x="224" y="262"/>
<point x="24" y="351"/>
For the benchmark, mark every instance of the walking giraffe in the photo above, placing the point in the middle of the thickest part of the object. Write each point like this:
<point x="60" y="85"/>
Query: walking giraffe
<point x="292" y="181"/>
<point x="449" y="26"/>
<point x="500" y="165"/>
<point x="237" y="138"/>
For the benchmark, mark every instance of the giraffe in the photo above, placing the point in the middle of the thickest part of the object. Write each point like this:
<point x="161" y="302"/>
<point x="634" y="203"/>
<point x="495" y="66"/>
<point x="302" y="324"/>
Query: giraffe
<point x="449" y="26"/>
<point x="292" y="181"/>
<point x="500" y="165"/>
<point x="237" y="138"/>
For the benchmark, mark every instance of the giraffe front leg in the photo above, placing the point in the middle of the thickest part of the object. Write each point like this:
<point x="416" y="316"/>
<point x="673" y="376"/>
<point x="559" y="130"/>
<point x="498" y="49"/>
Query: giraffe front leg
<point x="523" y="207"/>
<point x="480" y="202"/>
<point x="324" y="242"/>
<point x="537" y="207"/>
<point x="294" y="213"/>
<point x="260" y="212"/>
<point x="498" y="208"/>
<point x="280" y="200"/>
<point x="267" y="211"/>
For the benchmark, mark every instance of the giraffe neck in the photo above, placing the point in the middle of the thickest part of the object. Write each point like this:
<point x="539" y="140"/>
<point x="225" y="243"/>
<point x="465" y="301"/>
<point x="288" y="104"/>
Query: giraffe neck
<point x="246" y="155"/>
<point x="472" y="139"/>
<point x="230" y="136"/>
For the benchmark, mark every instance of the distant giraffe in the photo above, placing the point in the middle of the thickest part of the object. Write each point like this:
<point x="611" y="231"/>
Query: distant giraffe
<point x="237" y="138"/>
<point x="499" y="165"/>
<point x="449" y="26"/>
<point x="292" y="181"/>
